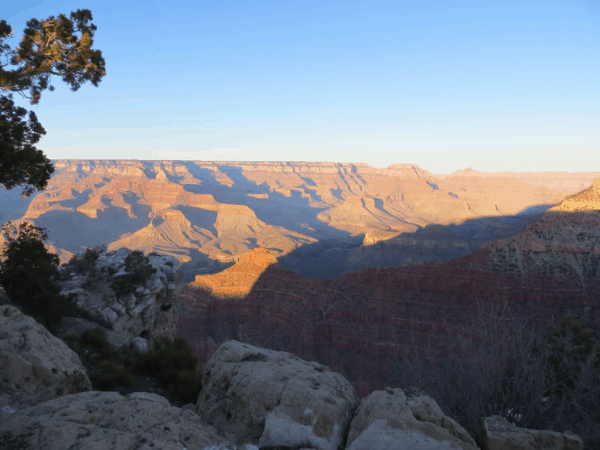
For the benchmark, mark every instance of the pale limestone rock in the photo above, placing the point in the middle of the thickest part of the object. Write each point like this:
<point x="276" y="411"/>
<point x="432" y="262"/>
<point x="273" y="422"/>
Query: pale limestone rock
<point x="139" y="344"/>
<point x="107" y="420"/>
<point x="274" y="399"/>
<point x="389" y="420"/>
<point x="128" y="300"/>
<point x="35" y="366"/>
<point x="497" y="433"/>
<point x="163" y="277"/>
<point x="140" y="291"/>
<point x="425" y="409"/>
<point x="151" y="308"/>
<point x="166" y="269"/>
<point x="109" y="316"/>
<point x="118" y="308"/>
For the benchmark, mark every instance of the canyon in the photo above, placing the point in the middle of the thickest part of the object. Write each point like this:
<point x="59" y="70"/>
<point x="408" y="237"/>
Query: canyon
<point x="359" y="323"/>
<point x="352" y="266"/>
<point x="320" y="219"/>
<point x="336" y="262"/>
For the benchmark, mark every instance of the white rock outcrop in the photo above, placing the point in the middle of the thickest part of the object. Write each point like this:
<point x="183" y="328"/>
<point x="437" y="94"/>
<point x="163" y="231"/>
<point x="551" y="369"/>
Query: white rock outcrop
<point x="497" y="433"/>
<point x="274" y="399"/>
<point x="108" y="420"/>
<point x="391" y="419"/>
<point x="35" y="366"/>
<point x="152" y="308"/>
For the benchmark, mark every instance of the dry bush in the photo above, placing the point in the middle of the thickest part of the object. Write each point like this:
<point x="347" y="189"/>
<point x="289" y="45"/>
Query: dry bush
<point x="496" y="364"/>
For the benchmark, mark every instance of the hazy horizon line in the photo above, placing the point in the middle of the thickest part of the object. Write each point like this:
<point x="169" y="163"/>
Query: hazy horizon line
<point x="363" y="164"/>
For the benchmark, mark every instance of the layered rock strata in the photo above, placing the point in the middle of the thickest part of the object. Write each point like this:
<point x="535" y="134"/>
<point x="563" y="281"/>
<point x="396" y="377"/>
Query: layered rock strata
<point x="359" y="324"/>
<point x="207" y="213"/>
<point x="108" y="420"/>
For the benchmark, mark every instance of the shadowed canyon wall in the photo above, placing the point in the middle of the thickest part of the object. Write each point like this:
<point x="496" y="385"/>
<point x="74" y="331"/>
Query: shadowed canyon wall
<point x="357" y="324"/>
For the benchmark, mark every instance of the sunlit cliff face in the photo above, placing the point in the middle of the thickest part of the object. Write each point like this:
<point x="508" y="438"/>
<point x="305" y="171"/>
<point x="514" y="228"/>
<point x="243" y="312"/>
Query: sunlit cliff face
<point x="237" y="280"/>
<point x="207" y="214"/>
<point x="586" y="200"/>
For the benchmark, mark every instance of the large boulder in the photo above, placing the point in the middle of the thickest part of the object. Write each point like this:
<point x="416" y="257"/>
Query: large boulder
<point x="35" y="366"/>
<point x="497" y="433"/>
<point x="107" y="420"/>
<point x="392" y="419"/>
<point x="274" y="399"/>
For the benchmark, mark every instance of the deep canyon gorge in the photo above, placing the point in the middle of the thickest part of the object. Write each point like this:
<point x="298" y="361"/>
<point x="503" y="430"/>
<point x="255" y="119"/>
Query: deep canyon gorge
<point x="339" y="263"/>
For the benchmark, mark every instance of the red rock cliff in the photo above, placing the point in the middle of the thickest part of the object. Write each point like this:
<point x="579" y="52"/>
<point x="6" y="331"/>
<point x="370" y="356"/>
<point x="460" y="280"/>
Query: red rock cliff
<point x="356" y="324"/>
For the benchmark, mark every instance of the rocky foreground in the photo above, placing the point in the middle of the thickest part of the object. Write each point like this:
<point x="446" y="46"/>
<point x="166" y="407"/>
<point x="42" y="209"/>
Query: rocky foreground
<point x="252" y="398"/>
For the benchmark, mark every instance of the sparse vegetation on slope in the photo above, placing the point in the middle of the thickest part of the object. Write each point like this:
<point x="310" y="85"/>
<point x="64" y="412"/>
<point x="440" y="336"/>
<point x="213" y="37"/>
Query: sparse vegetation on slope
<point x="138" y="270"/>
<point x="496" y="365"/>
<point x="84" y="263"/>
<point x="173" y="364"/>
<point x="169" y="368"/>
<point x="29" y="274"/>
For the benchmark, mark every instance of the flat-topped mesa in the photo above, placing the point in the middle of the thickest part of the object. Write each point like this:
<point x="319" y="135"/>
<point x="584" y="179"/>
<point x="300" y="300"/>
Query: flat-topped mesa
<point x="109" y="166"/>
<point x="405" y="171"/>
<point x="287" y="166"/>
<point x="141" y="167"/>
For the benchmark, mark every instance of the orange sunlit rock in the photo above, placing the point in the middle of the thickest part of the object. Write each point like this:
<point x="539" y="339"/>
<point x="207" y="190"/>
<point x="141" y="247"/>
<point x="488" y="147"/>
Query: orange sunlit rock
<point x="237" y="280"/>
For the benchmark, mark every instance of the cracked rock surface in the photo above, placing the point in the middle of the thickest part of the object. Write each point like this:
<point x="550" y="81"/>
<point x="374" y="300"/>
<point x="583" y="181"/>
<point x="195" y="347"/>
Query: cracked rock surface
<point x="497" y="433"/>
<point x="35" y="366"/>
<point x="151" y="307"/>
<point x="394" y="419"/>
<point x="108" y="420"/>
<point x="274" y="399"/>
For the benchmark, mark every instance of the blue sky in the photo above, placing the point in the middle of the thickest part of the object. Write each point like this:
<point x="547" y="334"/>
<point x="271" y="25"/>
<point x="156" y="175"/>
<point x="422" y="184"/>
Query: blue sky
<point x="445" y="84"/>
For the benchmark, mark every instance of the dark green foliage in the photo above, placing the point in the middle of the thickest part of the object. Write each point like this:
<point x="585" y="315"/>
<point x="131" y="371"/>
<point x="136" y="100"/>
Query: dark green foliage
<point x="106" y="368"/>
<point x="169" y="368"/>
<point x="57" y="46"/>
<point x="139" y="270"/>
<point x="173" y="364"/>
<point x="52" y="47"/>
<point x="21" y="162"/>
<point x="571" y="347"/>
<point x="84" y="263"/>
<point x="29" y="274"/>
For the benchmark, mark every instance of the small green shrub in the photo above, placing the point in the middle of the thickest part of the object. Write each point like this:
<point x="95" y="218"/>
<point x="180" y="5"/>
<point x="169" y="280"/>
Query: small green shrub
<point x="173" y="364"/>
<point x="95" y="339"/>
<point x="107" y="368"/>
<point x="85" y="262"/>
<point x="170" y="366"/>
<point x="29" y="274"/>
<point x="139" y="271"/>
